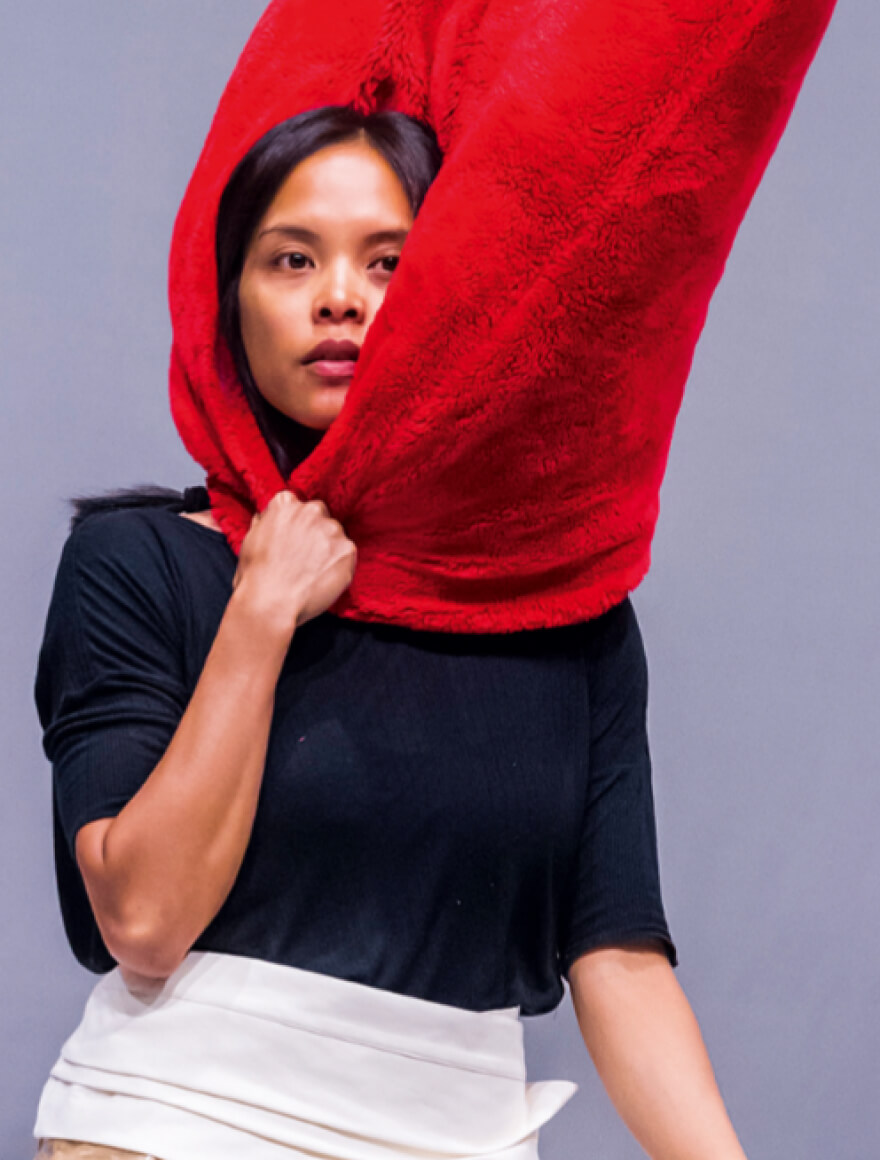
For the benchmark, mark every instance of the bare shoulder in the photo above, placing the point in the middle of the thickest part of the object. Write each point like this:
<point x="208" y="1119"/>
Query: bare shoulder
<point x="204" y="518"/>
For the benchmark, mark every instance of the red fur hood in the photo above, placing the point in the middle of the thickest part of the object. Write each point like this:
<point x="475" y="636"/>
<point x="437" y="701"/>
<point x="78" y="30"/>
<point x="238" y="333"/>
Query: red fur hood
<point x="499" y="455"/>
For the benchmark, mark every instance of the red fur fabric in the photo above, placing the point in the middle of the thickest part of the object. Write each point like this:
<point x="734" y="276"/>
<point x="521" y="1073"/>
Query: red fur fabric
<point x="500" y="452"/>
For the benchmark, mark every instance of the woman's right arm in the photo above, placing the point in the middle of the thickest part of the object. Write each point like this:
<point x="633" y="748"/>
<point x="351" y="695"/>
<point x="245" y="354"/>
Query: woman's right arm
<point x="158" y="872"/>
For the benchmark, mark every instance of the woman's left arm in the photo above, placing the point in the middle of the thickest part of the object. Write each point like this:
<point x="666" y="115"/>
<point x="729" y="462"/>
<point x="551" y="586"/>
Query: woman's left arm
<point x="646" y="1045"/>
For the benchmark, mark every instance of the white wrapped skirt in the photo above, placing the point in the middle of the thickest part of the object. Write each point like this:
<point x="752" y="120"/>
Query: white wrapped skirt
<point x="233" y="1057"/>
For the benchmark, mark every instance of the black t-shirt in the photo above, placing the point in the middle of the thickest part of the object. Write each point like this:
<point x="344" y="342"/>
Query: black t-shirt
<point x="451" y="816"/>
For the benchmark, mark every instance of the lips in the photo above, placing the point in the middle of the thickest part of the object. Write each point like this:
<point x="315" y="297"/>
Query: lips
<point x="333" y="370"/>
<point x="333" y="350"/>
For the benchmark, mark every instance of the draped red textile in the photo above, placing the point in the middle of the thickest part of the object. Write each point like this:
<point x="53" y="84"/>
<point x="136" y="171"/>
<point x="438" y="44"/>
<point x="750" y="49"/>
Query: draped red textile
<point x="499" y="455"/>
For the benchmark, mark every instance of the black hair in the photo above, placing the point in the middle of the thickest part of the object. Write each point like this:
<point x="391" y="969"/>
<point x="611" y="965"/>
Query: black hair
<point x="191" y="499"/>
<point x="411" y="149"/>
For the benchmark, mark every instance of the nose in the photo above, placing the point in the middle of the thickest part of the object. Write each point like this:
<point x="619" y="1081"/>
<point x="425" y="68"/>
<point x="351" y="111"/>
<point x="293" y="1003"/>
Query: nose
<point x="339" y="295"/>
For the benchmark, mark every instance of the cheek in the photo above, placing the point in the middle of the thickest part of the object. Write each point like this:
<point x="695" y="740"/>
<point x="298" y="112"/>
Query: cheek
<point x="377" y="299"/>
<point x="270" y="321"/>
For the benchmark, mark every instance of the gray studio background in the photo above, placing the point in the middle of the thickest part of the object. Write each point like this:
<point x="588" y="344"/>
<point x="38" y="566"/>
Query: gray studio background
<point x="761" y="614"/>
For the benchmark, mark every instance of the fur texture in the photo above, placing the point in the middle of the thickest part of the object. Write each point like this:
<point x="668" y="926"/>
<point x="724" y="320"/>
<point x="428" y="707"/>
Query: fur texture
<point x="499" y="456"/>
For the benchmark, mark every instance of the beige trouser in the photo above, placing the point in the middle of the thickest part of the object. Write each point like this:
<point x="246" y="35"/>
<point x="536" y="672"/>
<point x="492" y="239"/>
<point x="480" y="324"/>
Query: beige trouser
<point x="71" y="1150"/>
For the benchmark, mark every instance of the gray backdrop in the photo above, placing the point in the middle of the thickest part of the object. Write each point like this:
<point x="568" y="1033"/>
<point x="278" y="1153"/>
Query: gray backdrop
<point x="760" y="614"/>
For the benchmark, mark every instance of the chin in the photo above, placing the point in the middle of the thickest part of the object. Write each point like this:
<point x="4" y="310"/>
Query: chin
<point x="316" y="413"/>
<point x="320" y="418"/>
<point x="317" y="422"/>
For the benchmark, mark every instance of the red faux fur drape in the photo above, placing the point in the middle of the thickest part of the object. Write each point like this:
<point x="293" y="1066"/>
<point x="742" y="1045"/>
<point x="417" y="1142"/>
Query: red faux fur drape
<point x="500" y="452"/>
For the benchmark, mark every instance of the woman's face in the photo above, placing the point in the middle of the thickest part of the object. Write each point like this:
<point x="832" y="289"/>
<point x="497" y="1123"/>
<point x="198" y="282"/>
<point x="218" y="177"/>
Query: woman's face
<point x="316" y="270"/>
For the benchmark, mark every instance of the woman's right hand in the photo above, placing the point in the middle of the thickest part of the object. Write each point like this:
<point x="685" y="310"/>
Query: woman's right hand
<point x="294" y="562"/>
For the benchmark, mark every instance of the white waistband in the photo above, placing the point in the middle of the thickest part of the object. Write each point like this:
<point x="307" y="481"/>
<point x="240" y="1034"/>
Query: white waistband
<point x="233" y="1056"/>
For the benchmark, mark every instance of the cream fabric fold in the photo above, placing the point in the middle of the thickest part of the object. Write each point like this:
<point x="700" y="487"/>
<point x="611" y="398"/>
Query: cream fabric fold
<point x="233" y="1056"/>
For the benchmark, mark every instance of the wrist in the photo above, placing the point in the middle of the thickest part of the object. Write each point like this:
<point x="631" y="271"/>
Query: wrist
<point x="262" y="623"/>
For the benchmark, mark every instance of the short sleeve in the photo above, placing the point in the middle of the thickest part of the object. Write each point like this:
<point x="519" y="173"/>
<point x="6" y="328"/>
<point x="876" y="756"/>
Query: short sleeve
<point x="615" y="894"/>
<point x="109" y="689"/>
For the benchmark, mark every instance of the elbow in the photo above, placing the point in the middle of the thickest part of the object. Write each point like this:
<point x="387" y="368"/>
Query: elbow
<point x="141" y="932"/>
<point x="143" y="948"/>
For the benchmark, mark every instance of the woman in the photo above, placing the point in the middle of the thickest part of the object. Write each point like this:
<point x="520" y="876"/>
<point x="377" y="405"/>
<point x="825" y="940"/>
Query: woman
<point x="408" y="838"/>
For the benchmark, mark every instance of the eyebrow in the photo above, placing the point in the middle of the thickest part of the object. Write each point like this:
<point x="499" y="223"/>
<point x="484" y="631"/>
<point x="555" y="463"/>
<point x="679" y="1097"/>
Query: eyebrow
<point x="300" y="234"/>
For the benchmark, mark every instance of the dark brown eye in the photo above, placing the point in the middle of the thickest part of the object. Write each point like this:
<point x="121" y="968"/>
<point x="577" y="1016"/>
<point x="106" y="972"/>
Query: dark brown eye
<point x="292" y="261"/>
<point x="393" y="259"/>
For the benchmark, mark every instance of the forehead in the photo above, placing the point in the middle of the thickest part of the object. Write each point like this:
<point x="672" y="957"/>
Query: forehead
<point x="349" y="183"/>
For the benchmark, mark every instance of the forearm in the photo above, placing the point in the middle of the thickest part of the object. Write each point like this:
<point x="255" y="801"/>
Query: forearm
<point x="170" y="857"/>
<point x="644" y="1040"/>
